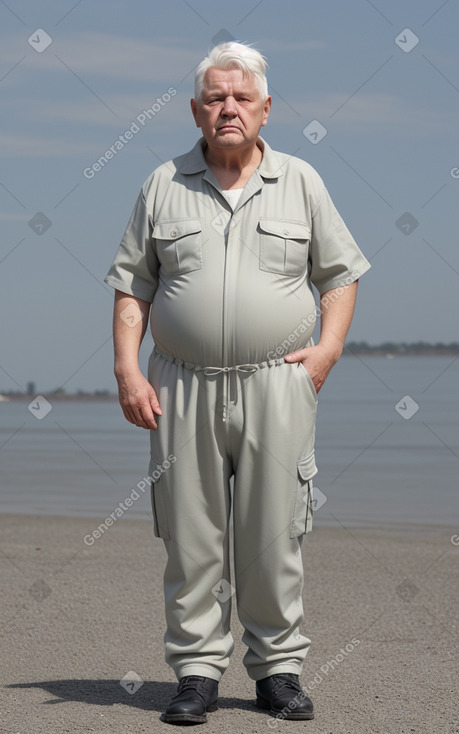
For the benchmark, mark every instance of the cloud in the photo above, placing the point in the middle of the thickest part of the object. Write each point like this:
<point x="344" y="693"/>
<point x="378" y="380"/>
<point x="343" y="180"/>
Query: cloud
<point x="90" y="53"/>
<point x="274" y="44"/>
<point x="19" y="145"/>
<point x="89" y="110"/>
<point x="10" y="217"/>
<point x="363" y="110"/>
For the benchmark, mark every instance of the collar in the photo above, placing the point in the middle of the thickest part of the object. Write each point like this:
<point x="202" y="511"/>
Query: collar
<point x="271" y="165"/>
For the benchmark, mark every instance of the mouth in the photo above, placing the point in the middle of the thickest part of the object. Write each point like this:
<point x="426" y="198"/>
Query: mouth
<point x="229" y="127"/>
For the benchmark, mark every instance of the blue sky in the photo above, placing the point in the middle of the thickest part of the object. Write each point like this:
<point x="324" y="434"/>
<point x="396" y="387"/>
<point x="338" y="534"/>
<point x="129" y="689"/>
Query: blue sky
<point x="389" y="108"/>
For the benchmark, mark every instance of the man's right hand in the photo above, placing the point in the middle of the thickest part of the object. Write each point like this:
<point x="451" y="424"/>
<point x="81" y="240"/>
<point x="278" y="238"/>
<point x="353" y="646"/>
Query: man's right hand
<point x="138" y="400"/>
<point x="137" y="397"/>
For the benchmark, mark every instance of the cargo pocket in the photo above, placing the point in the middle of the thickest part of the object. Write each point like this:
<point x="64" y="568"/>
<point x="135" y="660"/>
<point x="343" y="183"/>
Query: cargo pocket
<point x="284" y="246"/>
<point x="303" y="498"/>
<point x="158" y="505"/>
<point x="179" y="245"/>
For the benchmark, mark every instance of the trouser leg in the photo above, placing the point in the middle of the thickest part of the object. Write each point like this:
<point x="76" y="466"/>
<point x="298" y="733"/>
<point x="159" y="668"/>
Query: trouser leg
<point x="191" y="506"/>
<point x="272" y="510"/>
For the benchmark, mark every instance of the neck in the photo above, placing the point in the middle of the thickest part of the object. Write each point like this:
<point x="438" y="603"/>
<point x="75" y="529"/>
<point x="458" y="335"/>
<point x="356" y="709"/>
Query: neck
<point x="233" y="161"/>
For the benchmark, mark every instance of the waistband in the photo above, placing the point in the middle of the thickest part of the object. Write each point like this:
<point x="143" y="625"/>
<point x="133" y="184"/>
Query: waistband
<point x="217" y="370"/>
<point x="247" y="368"/>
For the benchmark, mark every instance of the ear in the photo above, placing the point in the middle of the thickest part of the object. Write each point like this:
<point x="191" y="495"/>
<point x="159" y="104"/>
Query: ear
<point x="266" y="110"/>
<point x="195" y="111"/>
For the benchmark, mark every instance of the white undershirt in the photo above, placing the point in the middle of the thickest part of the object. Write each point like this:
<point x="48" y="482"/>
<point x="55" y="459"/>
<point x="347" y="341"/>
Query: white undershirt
<point x="232" y="196"/>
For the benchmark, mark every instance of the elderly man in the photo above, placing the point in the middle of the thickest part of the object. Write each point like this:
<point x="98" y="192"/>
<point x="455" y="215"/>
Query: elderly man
<point x="220" y="252"/>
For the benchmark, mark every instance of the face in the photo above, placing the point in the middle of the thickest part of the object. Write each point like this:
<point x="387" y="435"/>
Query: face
<point x="231" y="110"/>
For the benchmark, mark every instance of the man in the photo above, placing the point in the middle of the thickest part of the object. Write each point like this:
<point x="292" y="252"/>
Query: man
<point x="221" y="250"/>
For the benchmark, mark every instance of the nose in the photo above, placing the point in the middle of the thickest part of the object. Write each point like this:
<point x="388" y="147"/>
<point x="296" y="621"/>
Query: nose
<point x="229" y="107"/>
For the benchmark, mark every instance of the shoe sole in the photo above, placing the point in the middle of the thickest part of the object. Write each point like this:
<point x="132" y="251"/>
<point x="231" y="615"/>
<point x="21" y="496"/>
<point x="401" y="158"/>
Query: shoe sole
<point x="190" y="718"/>
<point x="266" y="706"/>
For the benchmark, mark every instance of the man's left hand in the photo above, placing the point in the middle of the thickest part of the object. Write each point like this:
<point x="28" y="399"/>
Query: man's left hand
<point x="317" y="360"/>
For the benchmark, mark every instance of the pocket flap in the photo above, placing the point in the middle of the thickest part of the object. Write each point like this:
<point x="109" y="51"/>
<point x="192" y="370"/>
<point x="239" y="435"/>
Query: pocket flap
<point x="307" y="468"/>
<point x="286" y="229"/>
<point x="174" y="229"/>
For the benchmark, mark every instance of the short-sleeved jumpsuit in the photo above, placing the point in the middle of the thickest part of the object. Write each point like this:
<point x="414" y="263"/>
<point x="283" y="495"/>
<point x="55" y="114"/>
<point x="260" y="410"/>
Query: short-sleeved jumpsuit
<point x="230" y="293"/>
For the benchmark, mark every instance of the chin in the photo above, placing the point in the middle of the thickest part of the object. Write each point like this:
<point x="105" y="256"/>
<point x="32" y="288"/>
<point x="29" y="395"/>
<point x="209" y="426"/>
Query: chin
<point x="227" y="142"/>
<point x="229" y="135"/>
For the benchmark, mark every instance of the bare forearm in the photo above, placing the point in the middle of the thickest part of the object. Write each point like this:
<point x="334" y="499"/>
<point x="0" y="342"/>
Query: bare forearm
<point x="137" y="397"/>
<point x="130" y="319"/>
<point x="337" y="309"/>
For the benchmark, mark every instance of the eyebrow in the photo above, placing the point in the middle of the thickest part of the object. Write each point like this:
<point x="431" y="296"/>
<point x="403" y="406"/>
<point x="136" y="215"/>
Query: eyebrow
<point x="218" y="91"/>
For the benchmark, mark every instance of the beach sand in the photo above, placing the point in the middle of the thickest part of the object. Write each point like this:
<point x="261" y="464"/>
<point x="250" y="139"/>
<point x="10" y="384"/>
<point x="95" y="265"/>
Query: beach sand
<point x="381" y="609"/>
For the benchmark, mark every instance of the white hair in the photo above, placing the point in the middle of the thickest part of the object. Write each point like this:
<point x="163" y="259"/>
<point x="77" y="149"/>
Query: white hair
<point x="233" y="55"/>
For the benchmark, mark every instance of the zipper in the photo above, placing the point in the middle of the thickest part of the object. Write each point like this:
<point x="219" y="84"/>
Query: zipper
<point x="225" y="325"/>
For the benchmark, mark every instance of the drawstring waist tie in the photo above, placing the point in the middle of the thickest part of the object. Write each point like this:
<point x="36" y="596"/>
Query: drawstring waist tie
<point x="210" y="371"/>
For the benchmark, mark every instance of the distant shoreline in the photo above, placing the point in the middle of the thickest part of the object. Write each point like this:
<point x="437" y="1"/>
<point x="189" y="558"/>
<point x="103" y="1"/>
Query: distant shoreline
<point x="389" y="350"/>
<point x="53" y="398"/>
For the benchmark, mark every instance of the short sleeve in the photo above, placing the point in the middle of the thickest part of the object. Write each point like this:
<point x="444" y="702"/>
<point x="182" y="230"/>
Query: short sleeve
<point x="336" y="259"/>
<point x="134" y="269"/>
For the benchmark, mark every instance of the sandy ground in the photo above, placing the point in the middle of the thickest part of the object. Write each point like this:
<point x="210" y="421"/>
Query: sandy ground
<point x="77" y="619"/>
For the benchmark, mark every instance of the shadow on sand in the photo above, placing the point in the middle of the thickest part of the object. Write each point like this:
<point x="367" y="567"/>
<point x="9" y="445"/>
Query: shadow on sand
<point x="151" y="696"/>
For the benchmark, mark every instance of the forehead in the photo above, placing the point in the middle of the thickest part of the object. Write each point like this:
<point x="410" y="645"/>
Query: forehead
<point x="225" y="79"/>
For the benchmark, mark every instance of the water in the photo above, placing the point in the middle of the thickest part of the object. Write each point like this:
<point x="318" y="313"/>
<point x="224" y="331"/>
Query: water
<point x="375" y="466"/>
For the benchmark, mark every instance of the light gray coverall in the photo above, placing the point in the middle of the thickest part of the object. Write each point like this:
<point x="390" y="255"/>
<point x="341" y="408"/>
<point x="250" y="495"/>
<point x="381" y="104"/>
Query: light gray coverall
<point x="230" y="293"/>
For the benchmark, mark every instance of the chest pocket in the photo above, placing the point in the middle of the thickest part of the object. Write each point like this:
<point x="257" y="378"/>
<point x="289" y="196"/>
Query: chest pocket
<point x="179" y="245"/>
<point x="283" y="246"/>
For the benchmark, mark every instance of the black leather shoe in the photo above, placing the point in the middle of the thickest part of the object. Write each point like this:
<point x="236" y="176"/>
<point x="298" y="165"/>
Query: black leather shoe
<point x="196" y="694"/>
<point x="282" y="694"/>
